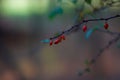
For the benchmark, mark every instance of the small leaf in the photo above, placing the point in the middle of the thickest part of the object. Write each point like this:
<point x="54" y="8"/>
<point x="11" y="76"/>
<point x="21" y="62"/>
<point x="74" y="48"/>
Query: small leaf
<point x="88" y="1"/>
<point x="52" y="15"/>
<point x="56" y="34"/>
<point x="45" y="41"/>
<point x="74" y="1"/>
<point x="55" y="12"/>
<point x="88" y="33"/>
<point x="59" y="10"/>
<point x="87" y="62"/>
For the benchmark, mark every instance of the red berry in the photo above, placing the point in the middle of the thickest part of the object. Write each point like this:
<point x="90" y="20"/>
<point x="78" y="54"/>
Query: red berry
<point x="106" y="25"/>
<point x="51" y="42"/>
<point x="57" y="41"/>
<point x="63" y="37"/>
<point x="84" y="28"/>
<point x="60" y="39"/>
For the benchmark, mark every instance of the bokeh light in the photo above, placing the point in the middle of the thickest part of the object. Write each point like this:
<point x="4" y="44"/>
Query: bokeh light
<point x="24" y="7"/>
<point x="15" y="7"/>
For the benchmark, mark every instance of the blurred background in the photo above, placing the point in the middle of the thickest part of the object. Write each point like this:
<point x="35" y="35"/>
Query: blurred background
<point x="24" y="23"/>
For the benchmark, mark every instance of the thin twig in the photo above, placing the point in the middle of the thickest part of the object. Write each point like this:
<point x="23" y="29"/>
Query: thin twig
<point x="82" y="22"/>
<point x="101" y="51"/>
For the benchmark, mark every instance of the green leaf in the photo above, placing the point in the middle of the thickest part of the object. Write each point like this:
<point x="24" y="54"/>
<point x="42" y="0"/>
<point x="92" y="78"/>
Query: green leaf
<point x="52" y="15"/>
<point x="57" y="33"/>
<point x="88" y="34"/>
<point x="55" y="12"/>
<point x="45" y="41"/>
<point x="86" y="62"/>
<point x="88" y="1"/>
<point x="90" y="31"/>
<point x="74" y="1"/>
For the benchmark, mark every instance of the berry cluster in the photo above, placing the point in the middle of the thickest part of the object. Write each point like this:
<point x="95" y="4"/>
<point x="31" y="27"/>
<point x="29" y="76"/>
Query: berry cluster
<point x="58" y="40"/>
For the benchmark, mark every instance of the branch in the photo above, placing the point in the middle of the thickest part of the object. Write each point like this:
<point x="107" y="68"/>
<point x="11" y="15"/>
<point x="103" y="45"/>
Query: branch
<point x="77" y="27"/>
<point x="92" y="61"/>
<point x="74" y="27"/>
